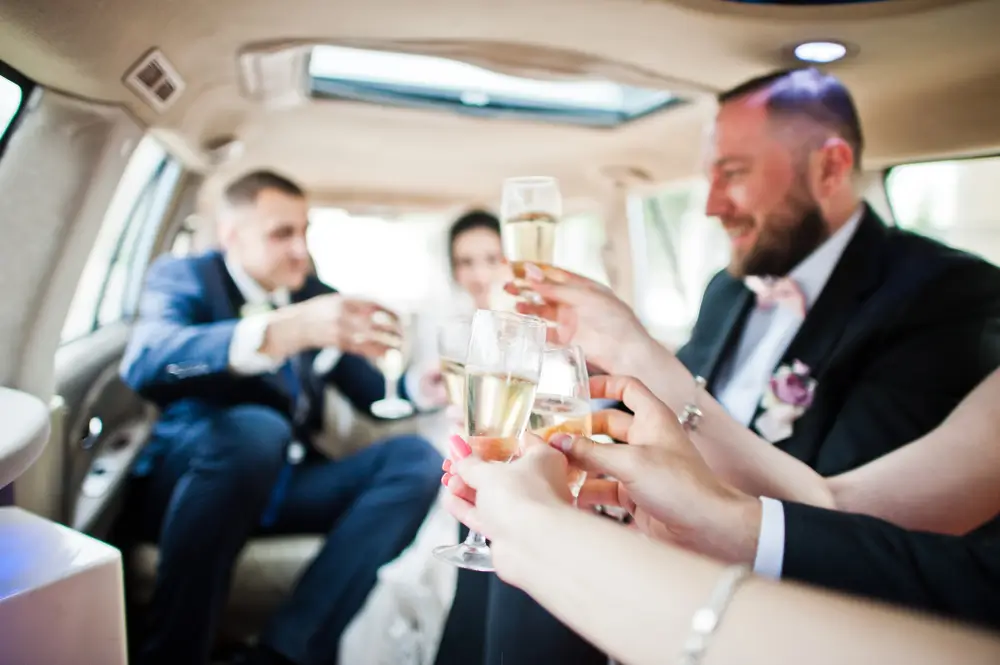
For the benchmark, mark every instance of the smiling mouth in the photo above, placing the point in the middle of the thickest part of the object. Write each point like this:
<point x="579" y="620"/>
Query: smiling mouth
<point x="738" y="230"/>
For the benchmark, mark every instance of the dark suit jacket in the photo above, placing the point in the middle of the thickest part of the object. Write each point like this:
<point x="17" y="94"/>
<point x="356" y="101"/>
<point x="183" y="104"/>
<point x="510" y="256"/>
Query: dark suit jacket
<point x="178" y="354"/>
<point x="903" y="330"/>
<point x="957" y="576"/>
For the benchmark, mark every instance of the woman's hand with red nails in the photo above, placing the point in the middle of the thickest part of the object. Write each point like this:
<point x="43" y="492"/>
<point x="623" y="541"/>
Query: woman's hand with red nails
<point x="492" y="497"/>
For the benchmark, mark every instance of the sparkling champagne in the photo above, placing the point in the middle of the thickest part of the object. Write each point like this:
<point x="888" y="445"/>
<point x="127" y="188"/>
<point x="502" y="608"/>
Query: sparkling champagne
<point x="497" y="413"/>
<point x="558" y="414"/>
<point x="454" y="381"/>
<point x="529" y="237"/>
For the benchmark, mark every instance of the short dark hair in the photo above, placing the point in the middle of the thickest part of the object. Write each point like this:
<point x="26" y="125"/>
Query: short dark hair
<point x="807" y="92"/>
<point x="474" y="219"/>
<point x="245" y="189"/>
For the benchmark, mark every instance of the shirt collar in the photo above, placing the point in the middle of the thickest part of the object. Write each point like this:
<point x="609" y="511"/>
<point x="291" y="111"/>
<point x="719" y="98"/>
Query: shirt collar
<point x="253" y="293"/>
<point x="814" y="271"/>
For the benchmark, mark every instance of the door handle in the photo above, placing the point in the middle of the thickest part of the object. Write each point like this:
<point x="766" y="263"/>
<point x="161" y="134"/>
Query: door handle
<point x="94" y="429"/>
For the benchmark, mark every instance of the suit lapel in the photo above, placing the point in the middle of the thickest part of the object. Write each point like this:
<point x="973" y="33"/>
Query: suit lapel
<point x="851" y="282"/>
<point x="728" y="333"/>
<point x="724" y="311"/>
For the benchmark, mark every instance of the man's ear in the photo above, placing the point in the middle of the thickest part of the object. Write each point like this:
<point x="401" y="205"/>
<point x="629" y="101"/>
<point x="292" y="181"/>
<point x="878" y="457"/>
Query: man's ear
<point x="226" y="225"/>
<point x="835" y="165"/>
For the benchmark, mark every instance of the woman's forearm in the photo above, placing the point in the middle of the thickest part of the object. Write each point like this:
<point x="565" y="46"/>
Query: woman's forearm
<point x="733" y="452"/>
<point x="945" y="481"/>
<point x="634" y="598"/>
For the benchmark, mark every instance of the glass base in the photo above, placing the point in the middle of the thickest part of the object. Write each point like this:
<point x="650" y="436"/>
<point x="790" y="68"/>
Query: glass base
<point x="463" y="555"/>
<point x="392" y="408"/>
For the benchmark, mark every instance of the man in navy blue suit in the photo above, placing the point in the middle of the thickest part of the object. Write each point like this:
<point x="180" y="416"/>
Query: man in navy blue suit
<point x="234" y="347"/>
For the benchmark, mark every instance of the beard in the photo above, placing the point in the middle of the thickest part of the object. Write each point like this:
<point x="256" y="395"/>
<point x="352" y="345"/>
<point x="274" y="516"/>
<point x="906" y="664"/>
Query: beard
<point x="786" y="239"/>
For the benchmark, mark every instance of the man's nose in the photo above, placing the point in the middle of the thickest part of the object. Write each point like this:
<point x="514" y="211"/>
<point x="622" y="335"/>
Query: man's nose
<point x="300" y="249"/>
<point x="718" y="203"/>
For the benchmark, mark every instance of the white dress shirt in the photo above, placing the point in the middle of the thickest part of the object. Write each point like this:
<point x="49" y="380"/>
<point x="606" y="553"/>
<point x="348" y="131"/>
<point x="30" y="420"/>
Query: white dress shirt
<point x="747" y="371"/>
<point x="245" y="356"/>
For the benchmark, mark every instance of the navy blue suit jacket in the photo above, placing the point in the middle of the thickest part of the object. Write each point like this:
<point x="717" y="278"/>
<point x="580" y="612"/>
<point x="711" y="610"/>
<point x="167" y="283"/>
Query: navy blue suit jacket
<point x="178" y="354"/>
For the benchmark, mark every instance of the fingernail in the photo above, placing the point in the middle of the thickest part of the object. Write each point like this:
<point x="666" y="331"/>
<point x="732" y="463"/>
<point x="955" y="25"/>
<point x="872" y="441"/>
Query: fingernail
<point x="445" y="478"/>
<point x="459" y="447"/>
<point x="562" y="441"/>
<point x="532" y="271"/>
<point x="446" y="465"/>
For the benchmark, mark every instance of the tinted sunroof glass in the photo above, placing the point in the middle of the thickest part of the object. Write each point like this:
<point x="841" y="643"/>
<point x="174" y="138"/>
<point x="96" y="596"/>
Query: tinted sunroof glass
<point x="416" y="80"/>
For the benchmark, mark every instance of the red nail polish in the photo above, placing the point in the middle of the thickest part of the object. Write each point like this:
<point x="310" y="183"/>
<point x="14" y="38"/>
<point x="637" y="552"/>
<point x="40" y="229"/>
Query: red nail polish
<point x="459" y="447"/>
<point x="446" y="465"/>
<point x="445" y="478"/>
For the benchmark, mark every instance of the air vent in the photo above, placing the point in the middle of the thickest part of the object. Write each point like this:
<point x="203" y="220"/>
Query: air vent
<point x="155" y="80"/>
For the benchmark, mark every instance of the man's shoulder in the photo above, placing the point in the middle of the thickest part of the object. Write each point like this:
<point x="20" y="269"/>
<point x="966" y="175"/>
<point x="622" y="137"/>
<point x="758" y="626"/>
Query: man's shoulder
<point x="928" y="281"/>
<point x="937" y="262"/>
<point x="175" y="270"/>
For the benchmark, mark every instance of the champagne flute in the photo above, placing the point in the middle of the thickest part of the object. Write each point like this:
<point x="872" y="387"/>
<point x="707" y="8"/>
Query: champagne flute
<point x="562" y="402"/>
<point x="530" y="208"/>
<point x="392" y="364"/>
<point x="453" y="345"/>
<point x="501" y="373"/>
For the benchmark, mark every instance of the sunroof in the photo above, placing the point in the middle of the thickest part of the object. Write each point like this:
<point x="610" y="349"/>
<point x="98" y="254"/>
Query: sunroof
<point x="404" y="79"/>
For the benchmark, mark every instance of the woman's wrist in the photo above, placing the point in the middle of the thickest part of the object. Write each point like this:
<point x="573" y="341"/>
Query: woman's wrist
<point x="533" y="534"/>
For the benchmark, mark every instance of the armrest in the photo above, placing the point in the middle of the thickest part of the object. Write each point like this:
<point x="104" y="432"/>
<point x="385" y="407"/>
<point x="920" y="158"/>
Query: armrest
<point x="25" y="431"/>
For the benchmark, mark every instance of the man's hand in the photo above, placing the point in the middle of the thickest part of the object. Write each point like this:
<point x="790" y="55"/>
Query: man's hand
<point x="586" y="313"/>
<point x="332" y="320"/>
<point x="660" y="477"/>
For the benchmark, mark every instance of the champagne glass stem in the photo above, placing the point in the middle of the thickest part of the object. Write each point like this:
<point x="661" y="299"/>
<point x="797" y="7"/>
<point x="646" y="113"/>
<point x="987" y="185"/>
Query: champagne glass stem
<point x="475" y="540"/>
<point x="391" y="387"/>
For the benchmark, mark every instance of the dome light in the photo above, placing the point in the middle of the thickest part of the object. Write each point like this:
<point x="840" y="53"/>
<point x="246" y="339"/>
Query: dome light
<point x="820" y="52"/>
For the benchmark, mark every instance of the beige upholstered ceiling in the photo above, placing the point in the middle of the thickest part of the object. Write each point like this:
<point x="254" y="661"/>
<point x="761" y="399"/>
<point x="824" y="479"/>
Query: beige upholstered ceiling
<point x="926" y="75"/>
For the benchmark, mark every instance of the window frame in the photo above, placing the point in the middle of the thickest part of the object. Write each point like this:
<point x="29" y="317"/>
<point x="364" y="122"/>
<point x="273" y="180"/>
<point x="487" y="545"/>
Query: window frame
<point x="134" y="247"/>
<point x="27" y="90"/>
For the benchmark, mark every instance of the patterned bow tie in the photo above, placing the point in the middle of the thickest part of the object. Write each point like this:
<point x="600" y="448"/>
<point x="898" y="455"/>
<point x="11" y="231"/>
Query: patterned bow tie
<point x="781" y="291"/>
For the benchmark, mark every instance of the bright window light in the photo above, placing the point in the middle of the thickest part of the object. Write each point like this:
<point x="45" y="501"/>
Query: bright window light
<point x="420" y="80"/>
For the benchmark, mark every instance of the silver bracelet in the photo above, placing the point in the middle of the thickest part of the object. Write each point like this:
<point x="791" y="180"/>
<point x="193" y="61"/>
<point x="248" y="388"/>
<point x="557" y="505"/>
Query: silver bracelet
<point x="691" y="415"/>
<point x="706" y="620"/>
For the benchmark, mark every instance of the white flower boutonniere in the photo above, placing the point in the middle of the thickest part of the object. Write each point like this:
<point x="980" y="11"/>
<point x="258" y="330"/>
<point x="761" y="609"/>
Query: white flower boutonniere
<point x="789" y="394"/>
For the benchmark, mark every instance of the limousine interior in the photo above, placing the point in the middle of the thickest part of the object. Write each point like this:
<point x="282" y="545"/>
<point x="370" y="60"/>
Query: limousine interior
<point x="122" y="120"/>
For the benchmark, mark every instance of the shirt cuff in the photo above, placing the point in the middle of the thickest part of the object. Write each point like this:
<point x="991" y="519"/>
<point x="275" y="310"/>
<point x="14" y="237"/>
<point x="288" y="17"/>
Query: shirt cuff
<point x="244" y="349"/>
<point x="326" y="360"/>
<point x="771" y="540"/>
<point x="411" y="380"/>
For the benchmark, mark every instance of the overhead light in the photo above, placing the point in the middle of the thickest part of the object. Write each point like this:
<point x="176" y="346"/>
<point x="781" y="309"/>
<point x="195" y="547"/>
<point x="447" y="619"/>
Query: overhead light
<point x="820" y="52"/>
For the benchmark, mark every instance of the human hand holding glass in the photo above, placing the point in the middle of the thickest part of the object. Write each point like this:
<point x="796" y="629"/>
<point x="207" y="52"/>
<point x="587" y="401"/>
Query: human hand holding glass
<point x="502" y="367"/>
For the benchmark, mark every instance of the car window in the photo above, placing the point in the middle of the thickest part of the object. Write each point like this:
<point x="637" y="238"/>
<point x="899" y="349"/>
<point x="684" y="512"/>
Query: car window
<point x="952" y="201"/>
<point x="109" y="286"/>
<point x="403" y="261"/>
<point x="676" y="250"/>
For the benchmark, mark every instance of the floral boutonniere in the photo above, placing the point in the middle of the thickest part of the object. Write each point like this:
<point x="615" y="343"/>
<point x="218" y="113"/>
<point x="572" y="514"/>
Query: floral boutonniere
<point x="252" y="309"/>
<point x="789" y="394"/>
